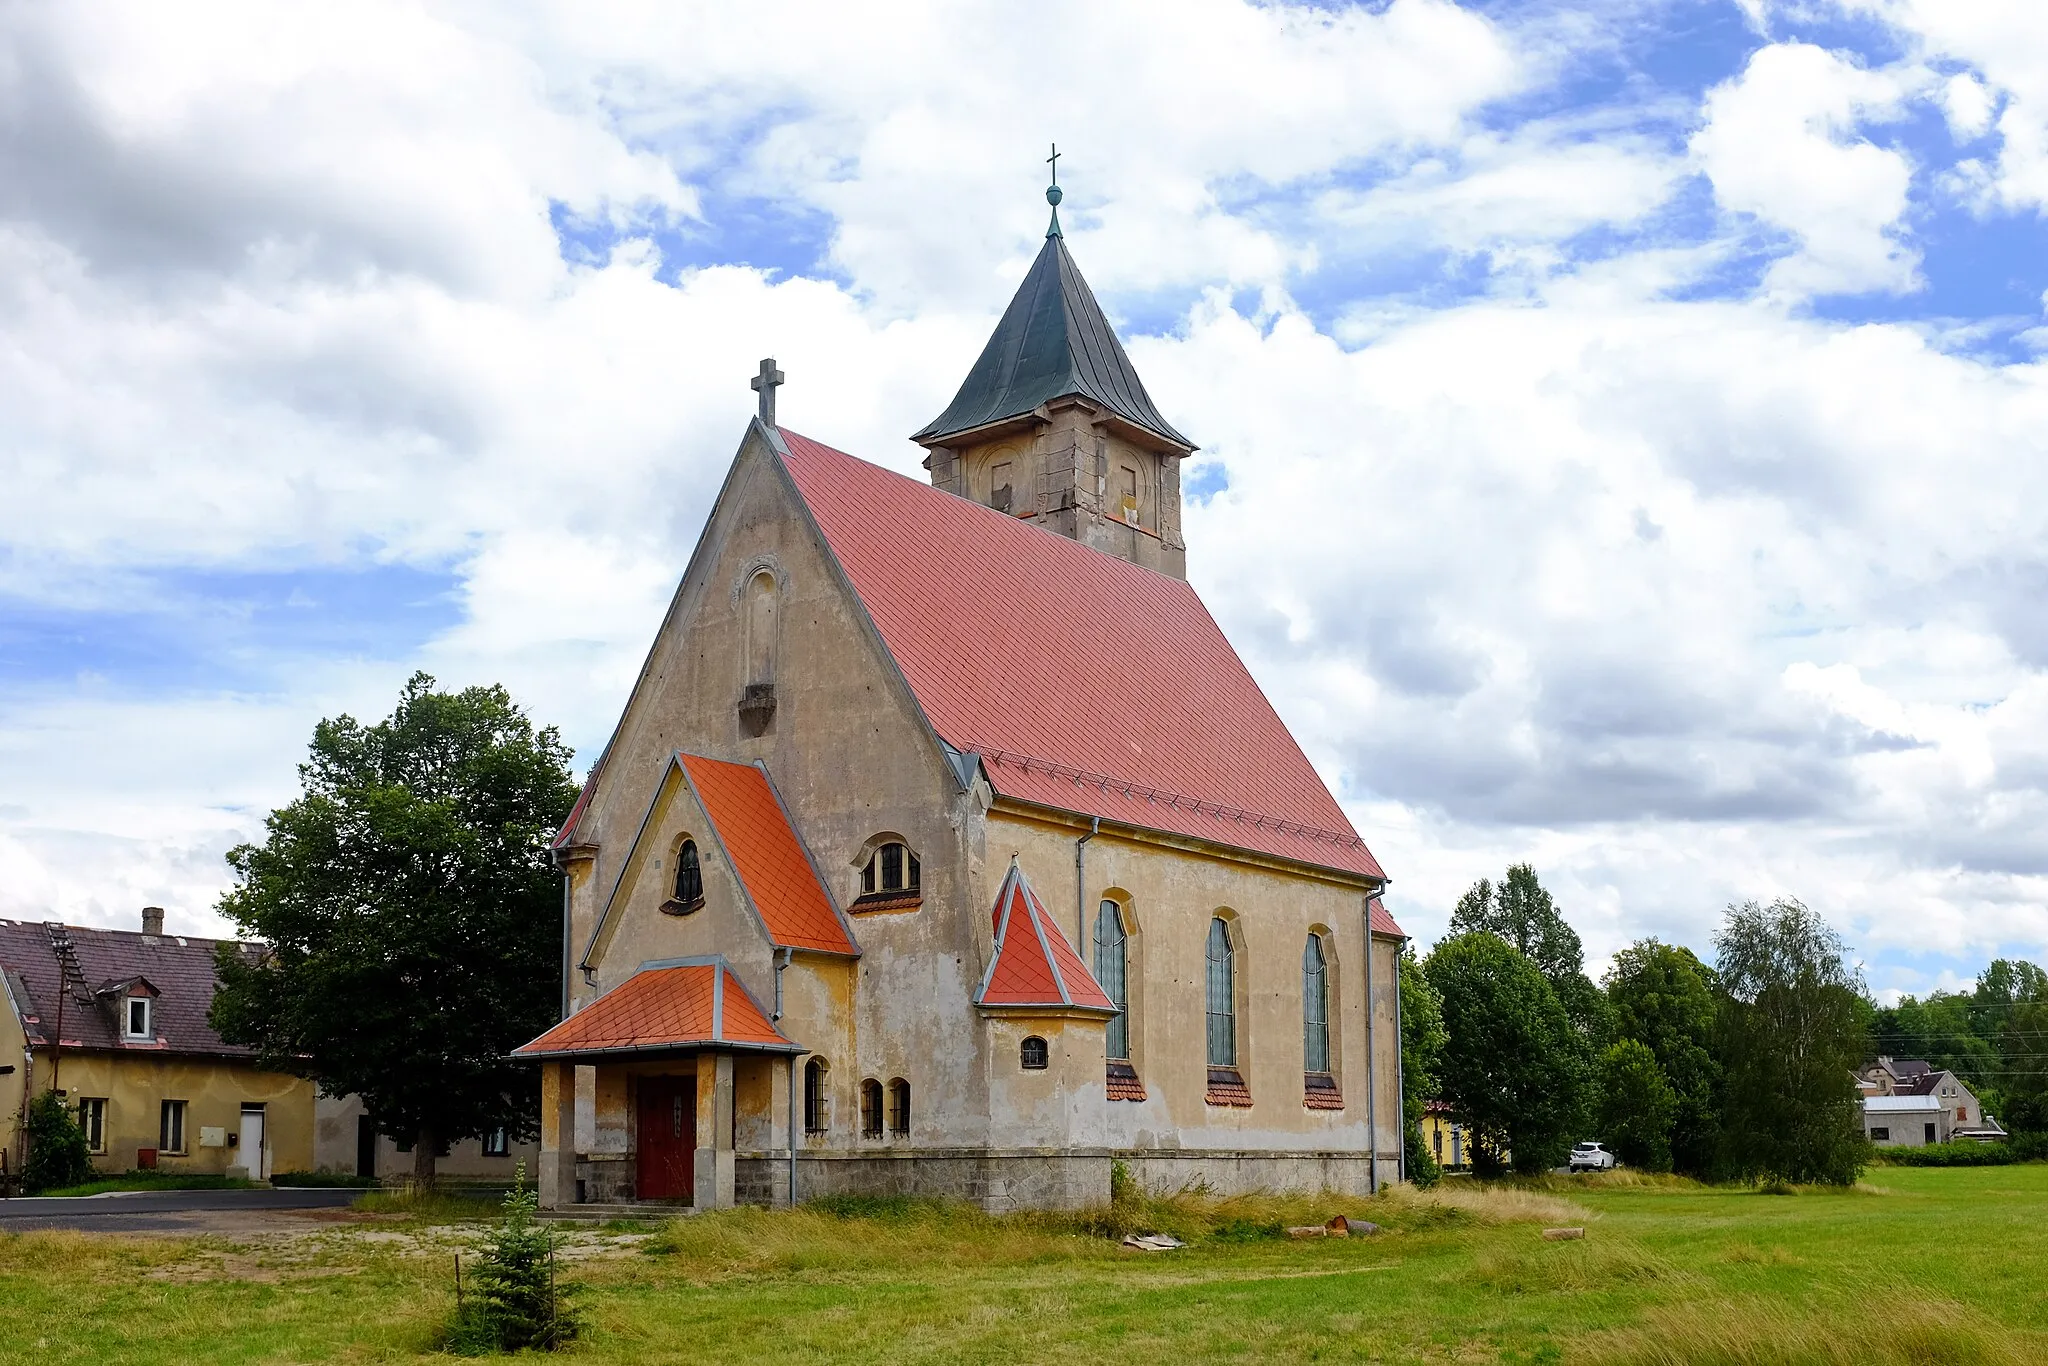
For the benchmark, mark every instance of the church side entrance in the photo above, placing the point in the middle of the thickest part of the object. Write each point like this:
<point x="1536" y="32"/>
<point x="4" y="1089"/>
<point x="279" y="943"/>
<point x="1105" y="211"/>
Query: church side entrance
<point x="668" y="1138"/>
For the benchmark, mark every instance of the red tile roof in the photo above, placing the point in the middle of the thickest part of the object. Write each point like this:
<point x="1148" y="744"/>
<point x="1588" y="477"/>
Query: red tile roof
<point x="1034" y="965"/>
<point x="684" y="1003"/>
<point x="1085" y="682"/>
<point x="179" y="968"/>
<point x="755" y="833"/>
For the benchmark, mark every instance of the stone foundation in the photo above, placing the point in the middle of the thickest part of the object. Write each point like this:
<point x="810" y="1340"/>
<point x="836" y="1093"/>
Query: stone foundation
<point x="607" y="1179"/>
<point x="1168" y="1171"/>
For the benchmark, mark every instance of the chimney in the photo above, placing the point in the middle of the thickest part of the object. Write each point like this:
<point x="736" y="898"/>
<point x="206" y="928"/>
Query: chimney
<point x="152" y="920"/>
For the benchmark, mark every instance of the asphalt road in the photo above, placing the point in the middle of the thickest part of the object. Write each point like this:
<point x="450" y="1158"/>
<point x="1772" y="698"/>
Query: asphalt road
<point x="168" y="1211"/>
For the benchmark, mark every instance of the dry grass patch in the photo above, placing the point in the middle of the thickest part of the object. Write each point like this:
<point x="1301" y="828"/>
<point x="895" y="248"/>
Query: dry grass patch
<point x="1568" y="1268"/>
<point x="1913" y="1332"/>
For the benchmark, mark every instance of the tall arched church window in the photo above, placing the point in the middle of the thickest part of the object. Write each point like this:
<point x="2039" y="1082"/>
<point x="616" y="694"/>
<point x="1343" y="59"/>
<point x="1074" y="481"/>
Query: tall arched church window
<point x="1315" y="1007"/>
<point x="817" y="1100"/>
<point x="1112" y="945"/>
<point x="871" y="1108"/>
<point x="762" y="610"/>
<point x="899" y="1107"/>
<point x="689" y="889"/>
<point x="1222" y="1003"/>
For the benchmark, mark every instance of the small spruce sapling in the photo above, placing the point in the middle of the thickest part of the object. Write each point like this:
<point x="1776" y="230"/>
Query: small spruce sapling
<point x="513" y="1299"/>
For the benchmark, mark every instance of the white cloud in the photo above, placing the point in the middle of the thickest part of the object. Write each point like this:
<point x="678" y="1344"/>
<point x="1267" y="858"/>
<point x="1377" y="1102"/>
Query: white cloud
<point x="1780" y="142"/>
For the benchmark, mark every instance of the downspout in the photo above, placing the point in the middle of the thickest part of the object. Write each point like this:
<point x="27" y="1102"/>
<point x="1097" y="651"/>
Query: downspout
<point x="1372" y="1123"/>
<point x="1081" y="885"/>
<point x="783" y="959"/>
<point x="567" y="938"/>
<point x="1400" y="1067"/>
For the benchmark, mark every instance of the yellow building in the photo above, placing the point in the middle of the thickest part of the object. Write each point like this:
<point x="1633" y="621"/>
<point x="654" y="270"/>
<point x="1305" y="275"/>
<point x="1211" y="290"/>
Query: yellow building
<point x="946" y="847"/>
<point x="116" y="1020"/>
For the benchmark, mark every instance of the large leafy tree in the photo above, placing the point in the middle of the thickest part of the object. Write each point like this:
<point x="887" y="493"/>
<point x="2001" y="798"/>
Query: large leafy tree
<point x="412" y="916"/>
<point x="1521" y="911"/>
<point x="1513" y="1067"/>
<point x="1792" y="1032"/>
<point x="2011" y="1011"/>
<point x="1636" y="1106"/>
<point x="1422" y="1047"/>
<point x="1662" y="997"/>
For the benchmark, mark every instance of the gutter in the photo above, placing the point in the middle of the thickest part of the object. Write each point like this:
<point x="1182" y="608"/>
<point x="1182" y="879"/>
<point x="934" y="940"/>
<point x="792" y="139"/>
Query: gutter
<point x="787" y="956"/>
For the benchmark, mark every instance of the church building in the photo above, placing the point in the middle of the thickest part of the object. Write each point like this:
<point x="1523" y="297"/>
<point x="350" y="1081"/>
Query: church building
<point x="946" y="847"/>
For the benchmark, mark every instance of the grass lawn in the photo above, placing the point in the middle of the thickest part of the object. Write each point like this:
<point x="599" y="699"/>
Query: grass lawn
<point x="153" y="1181"/>
<point x="1921" y="1265"/>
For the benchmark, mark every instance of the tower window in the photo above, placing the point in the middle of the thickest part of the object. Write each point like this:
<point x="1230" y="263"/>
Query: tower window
<point x="1127" y="494"/>
<point x="1000" y="496"/>
<point x="892" y="872"/>
<point x="689" y="890"/>
<point x="1034" y="1055"/>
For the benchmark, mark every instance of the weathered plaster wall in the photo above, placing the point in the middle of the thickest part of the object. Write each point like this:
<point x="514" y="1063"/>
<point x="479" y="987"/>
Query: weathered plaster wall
<point x="14" y="1084"/>
<point x="334" y="1149"/>
<point x="134" y="1087"/>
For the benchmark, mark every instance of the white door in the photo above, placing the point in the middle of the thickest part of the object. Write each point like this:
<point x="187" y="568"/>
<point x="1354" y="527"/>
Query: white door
<point x="253" y="1156"/>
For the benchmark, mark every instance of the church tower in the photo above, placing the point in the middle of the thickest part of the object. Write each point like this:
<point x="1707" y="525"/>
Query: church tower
<point x="1053" y="425"/>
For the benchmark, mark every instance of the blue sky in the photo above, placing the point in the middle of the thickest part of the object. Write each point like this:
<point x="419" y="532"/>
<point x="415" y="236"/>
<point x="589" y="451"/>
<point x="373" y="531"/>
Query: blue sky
<point x="1621" y="422"/>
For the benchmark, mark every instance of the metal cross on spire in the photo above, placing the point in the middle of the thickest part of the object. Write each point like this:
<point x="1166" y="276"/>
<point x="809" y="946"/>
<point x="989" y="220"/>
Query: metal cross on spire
<point x="1052" y="193"/>
<point x="764" y="385"/>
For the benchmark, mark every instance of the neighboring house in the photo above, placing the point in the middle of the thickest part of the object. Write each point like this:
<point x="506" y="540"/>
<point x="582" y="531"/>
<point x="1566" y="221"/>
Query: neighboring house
<point x="1909" y="1103"/>
<point x="117" y="1020"/>
<point x="945" y="846"/>
<point x="1445" y="1137"/>
<point x="346" y="1142"/>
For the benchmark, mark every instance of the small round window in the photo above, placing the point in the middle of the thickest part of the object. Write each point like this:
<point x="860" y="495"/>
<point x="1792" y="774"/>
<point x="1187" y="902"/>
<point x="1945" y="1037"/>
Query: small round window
<point x="1034" y="1054"/>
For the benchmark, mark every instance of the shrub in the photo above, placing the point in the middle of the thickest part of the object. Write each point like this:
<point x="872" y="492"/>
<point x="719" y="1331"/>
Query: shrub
<point x="1967" y="1153"/>
<point x="57" y="1155"/>
<point x="513" y="1300"/>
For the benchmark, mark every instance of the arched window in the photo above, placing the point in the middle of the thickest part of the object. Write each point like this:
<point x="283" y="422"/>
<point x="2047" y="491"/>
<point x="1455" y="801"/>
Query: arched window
<point x="1315" y="1007"/>
<point x="817" y="1100"/>
<point x="1111" y="946"/>
<point x="689" y="875"/>
<point x="1033" y="1054"/>
<point x="891" y="871"/>
<point x="899" y="1107"/>
<point x="871" y="1108"/>
<point x="1222" y="996"/>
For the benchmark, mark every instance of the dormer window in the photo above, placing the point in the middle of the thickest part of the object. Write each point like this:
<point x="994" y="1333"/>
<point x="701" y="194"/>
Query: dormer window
<point x="138" y="1021"/>
<point x="891" y="878"/>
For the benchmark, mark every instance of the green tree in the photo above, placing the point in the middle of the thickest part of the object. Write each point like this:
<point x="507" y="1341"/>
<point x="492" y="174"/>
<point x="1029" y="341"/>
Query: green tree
<point x="1519" y="910"/>
<point x="1637" y="1106"/>
<point x="514" y="1301"/>
<point x="1792" y="1034"/>
<point x="2010" y="1008"/>
<point x="1422" y="1047"/>
<point x="1661" y="996"/>
<point x="1513" y="1067"/>
<point x="57" y="1152"/>
<point x="412" y="915"/>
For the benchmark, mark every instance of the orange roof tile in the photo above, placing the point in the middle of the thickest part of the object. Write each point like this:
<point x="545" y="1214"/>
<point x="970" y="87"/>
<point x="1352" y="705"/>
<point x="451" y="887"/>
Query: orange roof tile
<point x="679" y="1003"/>
<point x="1124" y="700"/>
<point x="765" y="852"/>
<point x="1034" y="965"/>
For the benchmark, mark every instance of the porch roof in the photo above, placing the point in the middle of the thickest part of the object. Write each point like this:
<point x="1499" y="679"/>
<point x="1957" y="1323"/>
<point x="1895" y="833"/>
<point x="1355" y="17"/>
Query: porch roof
<point x="669" y="1005"/>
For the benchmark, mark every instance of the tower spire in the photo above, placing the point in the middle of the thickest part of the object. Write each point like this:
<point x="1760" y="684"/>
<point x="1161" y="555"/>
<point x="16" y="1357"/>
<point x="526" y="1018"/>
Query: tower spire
<point x="1052" y="193"/>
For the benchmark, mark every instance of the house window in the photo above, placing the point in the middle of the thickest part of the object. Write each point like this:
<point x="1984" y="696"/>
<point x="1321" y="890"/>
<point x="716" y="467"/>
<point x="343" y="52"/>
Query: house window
<point x="892" y="870"/>
<point x="1315" y="1007"/>
<point x="1222" y="996"/>
<point x="689" y="875"/>
<point x="498" y="1143"/>
<point x="92" y="1119"/>
<point x="899" y="1107"/>
<point x="817" y="1103"/>
<point x="1033" y="1054"/>
<point x="138" y="1017"/>
<point x="1111" y="947"/>
<point x="1962" y="1114"/>
<point x="1929" y="1128"/>
<point x="871" y="1108"/>
<point x="170" y="1136"/>
<point x="1436" y="1141"/>
<point x="1880" y="1135"/>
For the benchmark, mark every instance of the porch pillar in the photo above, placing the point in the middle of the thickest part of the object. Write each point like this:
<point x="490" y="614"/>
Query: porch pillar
<point x="556" y="1178"/>
<point x="715" y="1165"/>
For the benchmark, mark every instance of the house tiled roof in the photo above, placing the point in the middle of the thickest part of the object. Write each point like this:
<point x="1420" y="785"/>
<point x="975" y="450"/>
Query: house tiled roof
<point x="180" y="969"/>
<point x="674" y="1004"/>
<point x="1084" y="682"/>
<point x="1034" y="965"/>
<point x="769" y="858"/>
<point x="1052" y="341"/>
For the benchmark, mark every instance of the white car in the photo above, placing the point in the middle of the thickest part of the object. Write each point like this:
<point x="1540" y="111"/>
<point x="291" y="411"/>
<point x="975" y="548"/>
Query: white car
<point x="1591" y="1157"/>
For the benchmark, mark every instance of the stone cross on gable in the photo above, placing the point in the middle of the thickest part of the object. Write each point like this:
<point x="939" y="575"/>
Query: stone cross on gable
<point x="764" y="385"/>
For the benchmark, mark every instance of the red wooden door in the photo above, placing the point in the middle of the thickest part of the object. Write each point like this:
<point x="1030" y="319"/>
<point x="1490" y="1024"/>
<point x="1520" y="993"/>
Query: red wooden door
<point x="668" y="1138"/>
